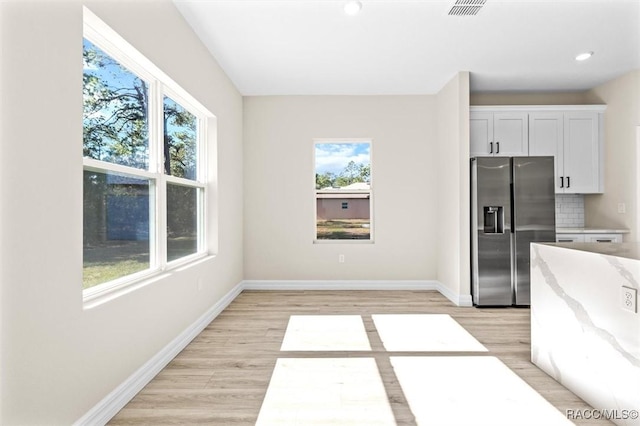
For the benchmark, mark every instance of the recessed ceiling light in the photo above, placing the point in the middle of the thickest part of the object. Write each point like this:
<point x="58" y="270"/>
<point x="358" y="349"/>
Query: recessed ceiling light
<point x="352" y="7"/>
<point x="584" y="56"/>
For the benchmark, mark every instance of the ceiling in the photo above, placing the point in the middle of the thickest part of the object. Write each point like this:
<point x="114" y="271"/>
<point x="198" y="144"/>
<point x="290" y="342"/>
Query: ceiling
<point x="311" y="47"/>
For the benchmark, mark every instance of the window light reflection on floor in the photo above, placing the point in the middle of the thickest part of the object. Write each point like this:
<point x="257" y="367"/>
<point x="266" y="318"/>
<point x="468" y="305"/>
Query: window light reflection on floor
<point x="325" y="333"/>
<point x="471" y="390"/>
<point x="424" y="333"/>
<point x="326" y="391"/>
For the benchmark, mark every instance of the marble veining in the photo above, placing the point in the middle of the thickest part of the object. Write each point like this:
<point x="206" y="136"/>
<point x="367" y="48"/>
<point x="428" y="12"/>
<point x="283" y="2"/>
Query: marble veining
<point x="624" y="272"/>
<point x="579" y="311"/>
<point x="580" y="335"/>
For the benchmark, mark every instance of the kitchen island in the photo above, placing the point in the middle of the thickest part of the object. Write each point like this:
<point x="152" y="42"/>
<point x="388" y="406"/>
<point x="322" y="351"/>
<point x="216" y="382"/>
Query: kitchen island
<point x="582" y="331"/>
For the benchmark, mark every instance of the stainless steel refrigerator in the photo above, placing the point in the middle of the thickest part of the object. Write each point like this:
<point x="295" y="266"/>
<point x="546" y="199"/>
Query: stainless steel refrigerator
<point x="512" y="205"/>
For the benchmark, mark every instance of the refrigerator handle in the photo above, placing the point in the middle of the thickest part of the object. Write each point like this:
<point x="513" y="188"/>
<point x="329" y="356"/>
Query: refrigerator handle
<point x="490" y="147"/>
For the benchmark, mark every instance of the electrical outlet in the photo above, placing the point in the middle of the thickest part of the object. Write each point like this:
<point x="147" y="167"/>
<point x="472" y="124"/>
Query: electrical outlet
<point x="629" y="299"/>
<point x="622" y="208"/>
<point x="341" y="258"/>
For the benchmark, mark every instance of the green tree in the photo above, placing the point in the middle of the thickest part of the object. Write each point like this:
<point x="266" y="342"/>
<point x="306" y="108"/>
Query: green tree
<point x="179" y="141"/>
<point x="115" y="124"/>
<point x="325" y="180"/>
<point x="352" y="173"/>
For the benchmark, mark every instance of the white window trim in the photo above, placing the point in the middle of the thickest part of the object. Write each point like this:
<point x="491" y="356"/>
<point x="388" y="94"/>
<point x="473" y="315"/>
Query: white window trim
<point x="371" y="240"/>
<point x="160" y="85"/>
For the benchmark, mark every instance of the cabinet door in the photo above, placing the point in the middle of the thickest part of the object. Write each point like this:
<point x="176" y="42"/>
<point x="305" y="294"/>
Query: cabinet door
<point x="603" y="238"/>
<point x="480" y="133"/>
<point x="581" y="153"/>
<point x="510" y="134"/>
<point x="570" y="238"/>
<point x="546" y="138"/>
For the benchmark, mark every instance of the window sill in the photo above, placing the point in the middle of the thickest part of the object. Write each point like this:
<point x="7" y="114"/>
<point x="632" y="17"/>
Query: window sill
<point x="343" y="241"/>
<point x="120" y="288"/>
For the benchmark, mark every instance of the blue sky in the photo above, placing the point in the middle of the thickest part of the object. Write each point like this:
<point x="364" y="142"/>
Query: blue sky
<point x="333" y="157"/>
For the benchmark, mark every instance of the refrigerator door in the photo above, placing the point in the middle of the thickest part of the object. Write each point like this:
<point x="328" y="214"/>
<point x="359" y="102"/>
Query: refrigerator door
<point x="534" y="216"/>
<point x="491" y="231"/>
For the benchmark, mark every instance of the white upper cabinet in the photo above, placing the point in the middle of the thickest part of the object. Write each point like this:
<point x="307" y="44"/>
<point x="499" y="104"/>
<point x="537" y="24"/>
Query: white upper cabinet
<point x="574" y="138"/>
<point x="501" y="134"/>
<point x="546" y="137"/>
<point x="572" y="134"/>
<point x="582" y="160"/>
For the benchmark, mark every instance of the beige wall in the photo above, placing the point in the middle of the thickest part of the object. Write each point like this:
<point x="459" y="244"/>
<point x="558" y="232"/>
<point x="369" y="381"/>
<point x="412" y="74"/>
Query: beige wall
<point x="537" y="98"/>
<point x="58" y="360"/>
<point x="279" y="201"/>
<point x="453" y="268"/>
<point x="621" y="156"/>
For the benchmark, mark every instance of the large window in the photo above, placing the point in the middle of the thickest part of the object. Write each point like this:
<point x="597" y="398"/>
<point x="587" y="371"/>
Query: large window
<point x="343" y="190"/>
<point x="144" y="165"/>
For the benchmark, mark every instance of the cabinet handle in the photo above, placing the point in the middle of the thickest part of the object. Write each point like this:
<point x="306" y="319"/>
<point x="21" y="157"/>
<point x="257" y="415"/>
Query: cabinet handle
<point x="497" y="147"/>
<point x="568" y="181"/>
<point x="561" y="181"/>
<point x="605" y="241"/>
<point x="490" y="147"/>
<point x="565" y="241"/>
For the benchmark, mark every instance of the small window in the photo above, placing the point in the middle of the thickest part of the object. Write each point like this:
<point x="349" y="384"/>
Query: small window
<point x="343" y="190"/>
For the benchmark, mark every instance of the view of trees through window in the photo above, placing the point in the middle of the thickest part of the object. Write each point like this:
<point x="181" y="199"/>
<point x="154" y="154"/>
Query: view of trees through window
<point x="120" y="216"/>
<point x="343" y="190"/>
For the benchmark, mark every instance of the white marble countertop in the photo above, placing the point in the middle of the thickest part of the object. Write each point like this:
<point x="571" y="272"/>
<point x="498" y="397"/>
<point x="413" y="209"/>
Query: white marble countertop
<point x="625" y="250"/>
<point x="591" y="231"/>
<point x="581" y="333"/>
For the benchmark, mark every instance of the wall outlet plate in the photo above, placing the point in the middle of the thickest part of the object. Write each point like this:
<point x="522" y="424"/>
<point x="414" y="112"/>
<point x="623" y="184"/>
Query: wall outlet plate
<point x="629" y="299"/>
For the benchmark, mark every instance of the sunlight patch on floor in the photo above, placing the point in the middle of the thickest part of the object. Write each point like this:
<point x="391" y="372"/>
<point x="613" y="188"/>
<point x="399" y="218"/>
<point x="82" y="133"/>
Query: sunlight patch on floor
<point x="424" y="333"/>
<point x="325" y="333"/>
<point x="459" y="390"/>
<point x="326" y="391"/>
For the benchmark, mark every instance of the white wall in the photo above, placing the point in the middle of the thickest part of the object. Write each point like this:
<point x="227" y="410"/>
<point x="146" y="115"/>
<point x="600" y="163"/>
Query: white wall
<point x="453" y="187"/>
<point x="58" y="359"/>
<point x="622" y="97"/>
<point x="279" y="187"/>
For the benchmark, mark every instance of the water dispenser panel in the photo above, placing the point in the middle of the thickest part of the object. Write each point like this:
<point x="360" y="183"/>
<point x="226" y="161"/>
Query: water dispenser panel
<point x="493" y="220"/>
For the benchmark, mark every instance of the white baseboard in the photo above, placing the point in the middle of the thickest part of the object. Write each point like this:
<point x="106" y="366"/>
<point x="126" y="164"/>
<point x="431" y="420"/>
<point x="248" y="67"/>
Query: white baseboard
<point x="104" y="411"/>
<point x="109" y="406"/>
<point x="294" y="285"/>
<point x="457" y="299"/>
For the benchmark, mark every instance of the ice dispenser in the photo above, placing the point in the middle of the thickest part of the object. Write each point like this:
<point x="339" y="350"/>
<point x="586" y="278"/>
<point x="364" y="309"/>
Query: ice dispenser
<point x="493" y="220"/>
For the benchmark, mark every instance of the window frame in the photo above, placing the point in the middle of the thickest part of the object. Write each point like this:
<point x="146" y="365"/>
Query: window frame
<point x="370" y="191"/>
<point x="159" y="86"/>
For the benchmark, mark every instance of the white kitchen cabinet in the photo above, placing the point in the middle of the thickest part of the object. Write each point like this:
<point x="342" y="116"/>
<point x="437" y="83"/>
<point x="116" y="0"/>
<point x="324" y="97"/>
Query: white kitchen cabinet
<point x="589" y="238"/>
<point x="502" y="134"/>
<point x="570" y="238"/>
<point x="582" y="158"/>
<point x="602" y="238"/>
<point x="574" y="138"/>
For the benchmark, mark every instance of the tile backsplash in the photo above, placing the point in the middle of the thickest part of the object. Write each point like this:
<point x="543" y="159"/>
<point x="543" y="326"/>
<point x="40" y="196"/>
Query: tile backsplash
<point x="569" y="211"/>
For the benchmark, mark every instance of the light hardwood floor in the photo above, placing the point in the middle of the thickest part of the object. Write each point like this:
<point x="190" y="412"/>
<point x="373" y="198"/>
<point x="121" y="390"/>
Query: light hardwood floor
<point x="222" y="376"/>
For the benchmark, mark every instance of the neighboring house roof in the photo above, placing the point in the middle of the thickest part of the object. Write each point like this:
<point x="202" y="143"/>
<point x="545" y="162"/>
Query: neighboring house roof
<point x="355" y="190"/>
<point x="357" y="186"/>
<point x="342" y="195"/>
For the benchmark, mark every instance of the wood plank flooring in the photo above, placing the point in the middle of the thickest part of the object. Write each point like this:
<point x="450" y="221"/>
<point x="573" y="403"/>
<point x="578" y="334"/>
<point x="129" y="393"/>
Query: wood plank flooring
<point x="221" y="378"/>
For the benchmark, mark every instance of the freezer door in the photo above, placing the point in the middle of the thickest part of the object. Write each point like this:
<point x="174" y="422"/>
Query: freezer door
<point x="491" y="231"/>
<point x="534" y="213"/>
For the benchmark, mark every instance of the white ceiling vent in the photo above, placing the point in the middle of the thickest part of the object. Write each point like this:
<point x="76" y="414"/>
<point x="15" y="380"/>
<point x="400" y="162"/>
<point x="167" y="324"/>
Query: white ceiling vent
<point x="466" y="7"/>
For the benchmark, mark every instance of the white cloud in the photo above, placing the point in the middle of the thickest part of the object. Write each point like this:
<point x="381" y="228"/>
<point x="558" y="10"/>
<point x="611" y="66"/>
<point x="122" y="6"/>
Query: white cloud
<point x="334" y="157"/>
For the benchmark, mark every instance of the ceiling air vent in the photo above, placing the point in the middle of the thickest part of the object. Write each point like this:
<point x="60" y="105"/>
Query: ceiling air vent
<point x="466" y="7"/>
